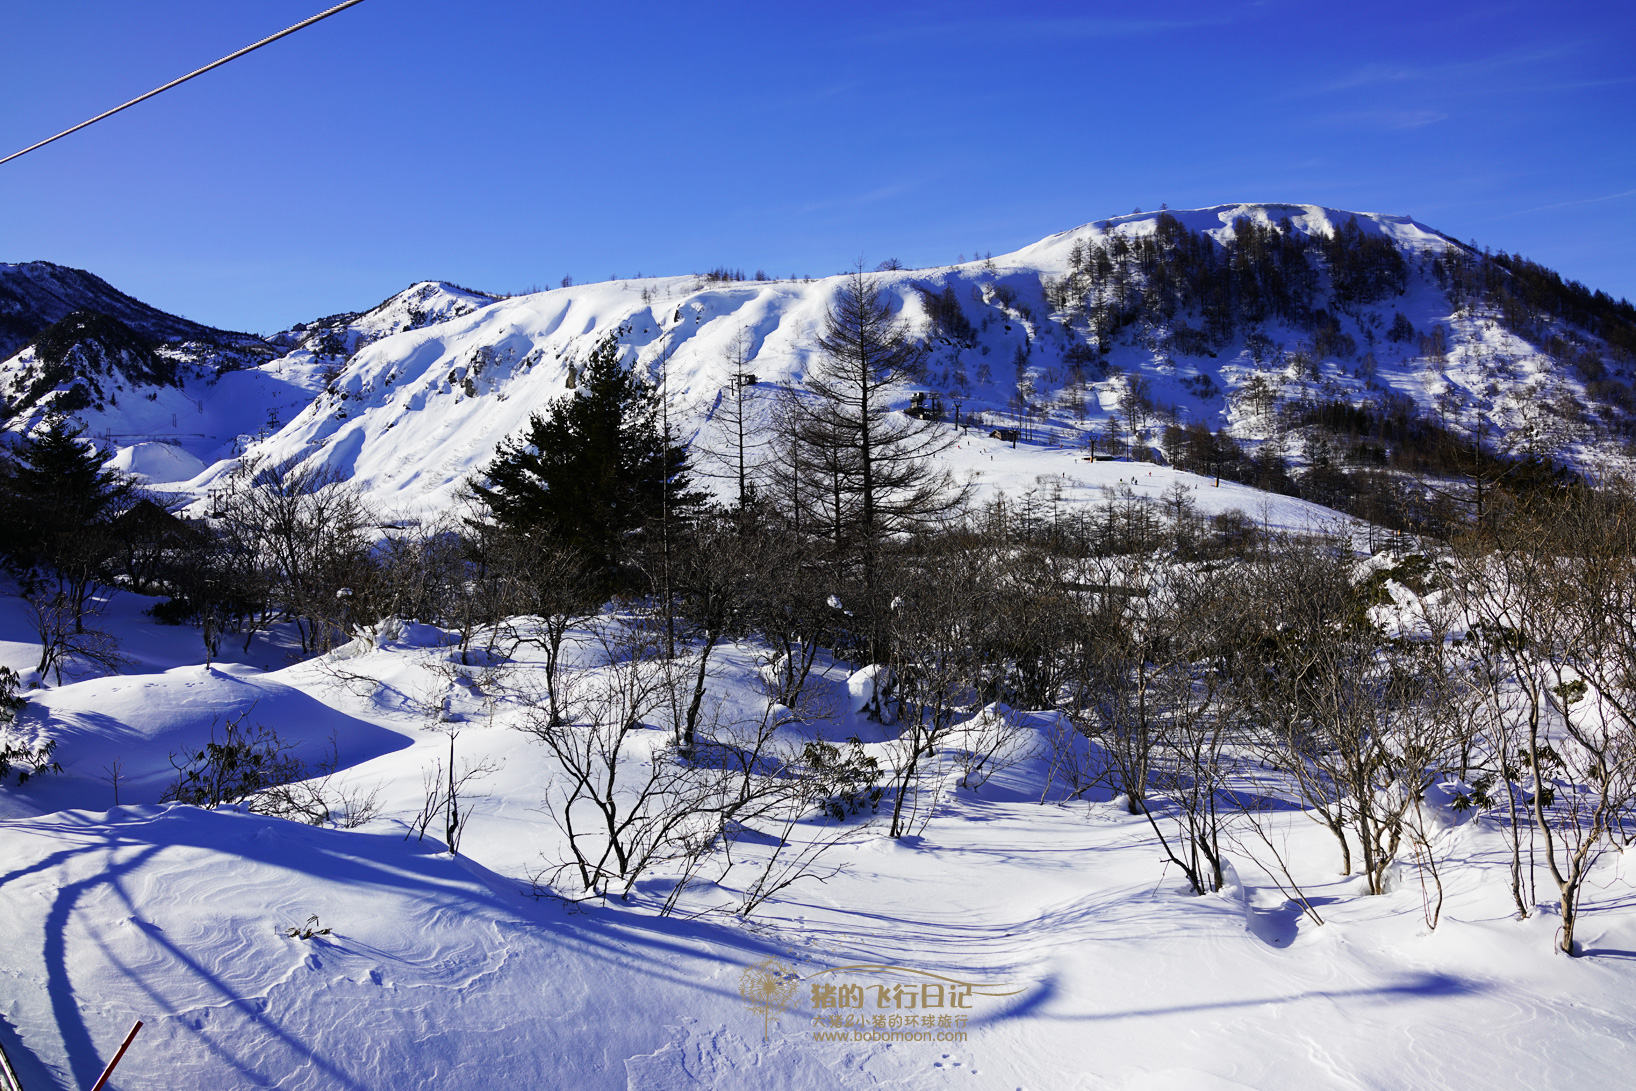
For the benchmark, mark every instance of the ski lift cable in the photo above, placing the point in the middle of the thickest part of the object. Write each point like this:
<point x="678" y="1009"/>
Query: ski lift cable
<point x="198" y="72"/>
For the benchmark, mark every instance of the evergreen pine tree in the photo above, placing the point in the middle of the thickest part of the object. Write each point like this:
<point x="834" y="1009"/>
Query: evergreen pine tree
<point x="55" y="494"/>
<point x="597" y="467"/>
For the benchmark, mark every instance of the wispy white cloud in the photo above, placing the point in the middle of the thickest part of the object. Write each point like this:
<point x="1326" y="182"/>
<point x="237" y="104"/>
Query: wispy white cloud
<point x="1455" y="72"/>
<point x="1388" y="119"/>
<point x="1569" y="204"/>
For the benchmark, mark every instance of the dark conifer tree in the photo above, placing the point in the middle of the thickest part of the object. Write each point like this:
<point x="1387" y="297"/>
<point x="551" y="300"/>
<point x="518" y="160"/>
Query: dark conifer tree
<point x="55" y="494"/>
<point x="596" y="468"/>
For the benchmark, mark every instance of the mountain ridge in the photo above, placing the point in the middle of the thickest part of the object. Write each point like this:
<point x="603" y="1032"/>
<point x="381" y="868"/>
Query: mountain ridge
<point x="1125" y="329"/>
<point x="37" y="294"/>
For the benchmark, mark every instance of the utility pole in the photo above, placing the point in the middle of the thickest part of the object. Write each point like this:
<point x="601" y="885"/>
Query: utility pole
<point x="664" y="498"/>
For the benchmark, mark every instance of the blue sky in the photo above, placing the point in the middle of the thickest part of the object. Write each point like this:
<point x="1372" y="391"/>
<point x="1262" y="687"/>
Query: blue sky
<point x="503" y="144"/>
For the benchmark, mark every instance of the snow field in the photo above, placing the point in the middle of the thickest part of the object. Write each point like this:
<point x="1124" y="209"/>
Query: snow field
<point x="444" y="971"/>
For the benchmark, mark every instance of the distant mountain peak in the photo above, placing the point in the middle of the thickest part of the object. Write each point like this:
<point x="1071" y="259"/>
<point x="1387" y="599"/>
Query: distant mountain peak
<point x="37" y="294"/>
<point x="1298" y="335"/>
<point x="424" y="303"/>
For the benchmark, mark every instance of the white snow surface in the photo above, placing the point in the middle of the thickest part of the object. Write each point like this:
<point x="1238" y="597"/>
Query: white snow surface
<point x="156" y="463"/>
<point x="449" y="972"/>
<point x="445" y="972"/>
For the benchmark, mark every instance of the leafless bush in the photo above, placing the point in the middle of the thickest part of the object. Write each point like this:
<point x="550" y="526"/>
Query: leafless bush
<point x="993" y="740"/>
<point x="58" y="618"/>
<point x="310" y="533"/>
<point x="1190" y="765"/>
<point x="245" y="762"/>
<point x="1265" y="842"/>
<point x="317" y="798"/>
<point x="623" y="801"/>
<point x="1073" y="761"/>
<point x="1551" y="586"/>
<point x="446" y="797"/>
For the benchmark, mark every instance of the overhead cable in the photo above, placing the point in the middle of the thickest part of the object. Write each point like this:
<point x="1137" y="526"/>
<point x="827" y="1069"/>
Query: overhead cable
<point x="199" y="72"/>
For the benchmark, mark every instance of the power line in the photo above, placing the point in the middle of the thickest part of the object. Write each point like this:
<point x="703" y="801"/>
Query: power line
<point x="199" y="72"/>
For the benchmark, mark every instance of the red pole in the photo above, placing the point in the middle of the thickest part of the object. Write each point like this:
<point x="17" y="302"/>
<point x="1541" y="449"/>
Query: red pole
<point x="123" y="1046"/>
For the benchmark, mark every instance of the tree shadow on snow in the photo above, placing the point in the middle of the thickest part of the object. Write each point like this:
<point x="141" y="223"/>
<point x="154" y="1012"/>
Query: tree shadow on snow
<point x="1421" y="985"/>
<point x="113" y="851"/>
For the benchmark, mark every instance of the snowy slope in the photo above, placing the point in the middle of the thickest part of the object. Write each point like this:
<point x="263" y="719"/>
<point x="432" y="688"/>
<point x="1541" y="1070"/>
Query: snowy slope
<point x="413" y="414"/>
<point x="425" y="303"/>
<point x="201" y="414"/>
<point x="1051" y="253"/>
<point x="444" y="972"/>
<point x="204" y="407"/>
<point x="412" y="397"/>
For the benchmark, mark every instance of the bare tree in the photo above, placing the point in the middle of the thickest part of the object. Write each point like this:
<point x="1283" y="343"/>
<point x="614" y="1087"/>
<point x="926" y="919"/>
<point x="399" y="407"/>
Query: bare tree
<point x="624" y="801"/>
<point x="877" y="464"/>
<point x="1115" y="688"/>
<point x="446" y="797"/>
<point x="1191" y="765"/>
<point x="58" y="617"/>
<point x="943" y="638"/>
<point x="547" y="591"/>
<point x="420" y="571"/>
<point x="1361" y="722"/>
<point x="1557" y="602"/>
<point x="737" y="449"/>
<point x="310" y="532"/>
<point x="1506" y="700"/>
<point x="1296" y="594"/>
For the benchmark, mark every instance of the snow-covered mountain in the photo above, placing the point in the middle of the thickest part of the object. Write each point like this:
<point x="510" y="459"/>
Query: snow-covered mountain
<point x="1027" y="930"/>
<point x="422" y="304"/>
<point x="38" y="294"/>
<point x="1118" y="318"/>
<point x="172" y="407"/>
<point x="70" y="342"/>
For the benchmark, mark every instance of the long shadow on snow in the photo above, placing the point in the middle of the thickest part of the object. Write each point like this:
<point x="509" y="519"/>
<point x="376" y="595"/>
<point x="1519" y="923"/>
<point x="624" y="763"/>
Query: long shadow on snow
<point x="1415" y="985"/>
<point x="29" y="1068"/>
<point x="76" y="1037"/>
<point x="344" y="857"/>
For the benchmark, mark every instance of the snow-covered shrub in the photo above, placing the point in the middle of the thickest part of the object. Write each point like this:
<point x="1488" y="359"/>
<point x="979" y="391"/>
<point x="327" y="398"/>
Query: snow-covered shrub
<point x="873" y="692"/>
<point x="994" y="739"/>
<point x="232" y="770"/>
<point x="29" y="757"/>
<point x="844" y="782"/>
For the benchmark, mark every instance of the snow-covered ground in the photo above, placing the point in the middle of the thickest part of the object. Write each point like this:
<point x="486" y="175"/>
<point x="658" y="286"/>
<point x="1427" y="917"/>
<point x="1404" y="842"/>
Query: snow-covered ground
<point x="448" y="972"/>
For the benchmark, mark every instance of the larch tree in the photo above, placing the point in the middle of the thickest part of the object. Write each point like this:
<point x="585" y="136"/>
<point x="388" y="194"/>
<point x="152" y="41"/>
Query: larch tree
<point x="878" y="466"/>
<point x="737" y="449"/>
